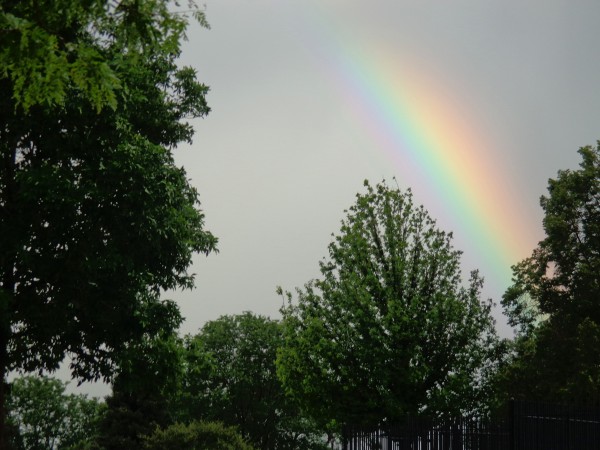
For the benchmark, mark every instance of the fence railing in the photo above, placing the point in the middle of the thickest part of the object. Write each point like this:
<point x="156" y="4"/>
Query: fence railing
<point x="554" y="427"/>
<point x="525" y="426"/>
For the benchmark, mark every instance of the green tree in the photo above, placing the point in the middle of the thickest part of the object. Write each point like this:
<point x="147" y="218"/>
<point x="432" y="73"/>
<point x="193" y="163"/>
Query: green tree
<point x="130" y="416"/>
<point x="95" y="217"/>
<point x="149" y="374"/>
<point x="49" y="47"/>
<point x="48" y="418"/>
<point x="230" y="377"/>
<point x="554" y="299"/>
<point x="388" y="329"/>
<point x="196" y="436"/>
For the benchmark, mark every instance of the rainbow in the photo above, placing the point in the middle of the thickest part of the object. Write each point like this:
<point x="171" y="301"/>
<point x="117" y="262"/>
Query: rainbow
<point x="431" y="138"/>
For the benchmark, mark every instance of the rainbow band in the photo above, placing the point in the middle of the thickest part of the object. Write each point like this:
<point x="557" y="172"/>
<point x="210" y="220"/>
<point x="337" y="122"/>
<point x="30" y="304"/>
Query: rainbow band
<point x="425" y="131"/>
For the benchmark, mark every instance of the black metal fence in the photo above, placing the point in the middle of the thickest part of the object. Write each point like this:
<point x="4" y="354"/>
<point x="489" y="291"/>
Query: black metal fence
<point x="554" y="427"/>
<point x="525" y="426"/>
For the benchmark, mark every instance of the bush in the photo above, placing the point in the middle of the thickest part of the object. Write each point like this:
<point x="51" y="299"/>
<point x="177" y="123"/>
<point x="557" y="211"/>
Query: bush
<point x="196" y="436"/>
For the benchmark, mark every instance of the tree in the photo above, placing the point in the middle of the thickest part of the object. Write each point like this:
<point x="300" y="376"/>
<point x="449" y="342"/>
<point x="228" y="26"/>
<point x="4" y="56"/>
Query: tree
<point x="149" y="375"/>
<point x="129" y="417"/>
<point x="48" y="418"/>
<point x="554" y="299"/>
<point x="50" y="47"/>
<point x="388" y="329"/>
<point x="230" y="377"/>
<point x="95" y="217"/>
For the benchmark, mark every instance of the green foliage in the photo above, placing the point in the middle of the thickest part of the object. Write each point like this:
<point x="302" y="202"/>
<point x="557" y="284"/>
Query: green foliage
<point x="554" y="297"/>
<point x="230" y="377"/>
<point x="48" y="418"/>
<point x="130" y="416"/>
<point x="388" y="329"/>
<point x="196" y="436"/>
<point x="96" y="220"/>
<point x="46" y="55"/>
<point x="149" y="374"/>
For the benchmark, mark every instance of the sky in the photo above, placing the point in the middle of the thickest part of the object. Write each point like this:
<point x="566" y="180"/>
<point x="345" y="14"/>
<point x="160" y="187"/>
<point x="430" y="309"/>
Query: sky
<point x="471" y="104"/>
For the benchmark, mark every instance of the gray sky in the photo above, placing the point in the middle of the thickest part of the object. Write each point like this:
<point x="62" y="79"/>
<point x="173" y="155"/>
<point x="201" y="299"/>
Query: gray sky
<point x="296" y="126"/>
<point x="287" y="144"/>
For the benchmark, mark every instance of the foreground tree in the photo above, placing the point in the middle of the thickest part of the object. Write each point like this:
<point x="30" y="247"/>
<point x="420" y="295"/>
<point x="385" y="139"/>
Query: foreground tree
<point x="388" y="329"/>
<point x="230" y="377"/>
<point x="555" y="298"/>
<point x="45" y="417"/>
<point x="95" y="217"/>
<point x="50" y="47"/>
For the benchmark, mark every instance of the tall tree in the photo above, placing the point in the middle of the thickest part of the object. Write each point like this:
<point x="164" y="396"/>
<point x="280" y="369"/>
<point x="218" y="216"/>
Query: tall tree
<point x="389" y="329"/>
<point x="230" y="377"/>
<point x="95" y="217"/>
<point x="554" y="299"/>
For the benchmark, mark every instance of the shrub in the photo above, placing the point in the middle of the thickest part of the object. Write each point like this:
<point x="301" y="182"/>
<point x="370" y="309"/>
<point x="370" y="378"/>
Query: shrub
<point x="196" y="436"/>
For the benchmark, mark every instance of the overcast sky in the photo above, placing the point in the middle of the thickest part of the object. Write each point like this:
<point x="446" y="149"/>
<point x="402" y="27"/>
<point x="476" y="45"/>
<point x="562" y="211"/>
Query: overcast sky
<point x="297" y="124"/>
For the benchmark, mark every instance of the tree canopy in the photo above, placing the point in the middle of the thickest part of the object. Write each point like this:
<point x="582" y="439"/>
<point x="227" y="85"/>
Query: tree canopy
<point x="553" y="300"/>
<point x="45" y="417"/>
<point x="96" y="219"/>
<point x="230" y="377"/>
<point x="389" y="329"/>
<point x="50" y="47"/>
<point x="148" y="376"/>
